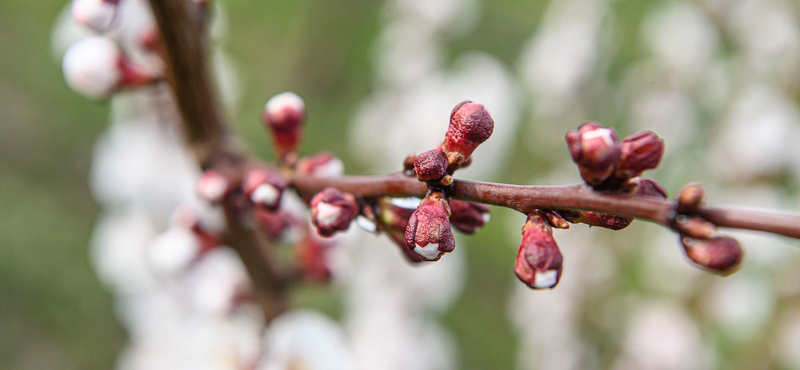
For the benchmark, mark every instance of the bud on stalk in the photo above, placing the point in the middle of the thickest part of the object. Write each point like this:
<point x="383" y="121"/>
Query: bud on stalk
<point x="431" y="165"/>
<point x="719" y="255"/>
<point x="539" y="261"/>
<point x="640" y="152"/>
<point x="264" y="188"/>
<point x="470" y="125"/>
<point x="284" y="114"/>
<point x="596" y="151"/>
<point x="332" y="211"/>
<point x="468" y="217"/>
<point x="428" y="232"/>
<point x="690" y="198"/>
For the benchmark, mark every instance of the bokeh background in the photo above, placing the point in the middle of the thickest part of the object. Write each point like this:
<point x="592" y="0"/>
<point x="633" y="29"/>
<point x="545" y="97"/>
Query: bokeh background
<point x="718" y="79"/>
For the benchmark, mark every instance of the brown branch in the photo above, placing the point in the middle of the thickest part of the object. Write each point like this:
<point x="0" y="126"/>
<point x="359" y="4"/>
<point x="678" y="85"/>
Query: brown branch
<point x="579" y="197"/>
<point x="207" y="135"/>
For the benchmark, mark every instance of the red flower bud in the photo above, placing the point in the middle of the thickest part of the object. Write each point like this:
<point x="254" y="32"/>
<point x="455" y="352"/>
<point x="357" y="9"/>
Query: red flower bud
<point x="640" y="151"/>
<point x="603" y="220"/>
<point x="468" y="217"/>
<point x="312" y="258"/>
<point x="393" y="221"/>
<point x="274" y="224"/>
<point x="428" y="232"/>
<point x="539" y="261"/>
<point x="324" y="165"/>
<point x="431" y="165"/>
<point x="470" y="125"/>
<point x="595" y="150"/>
<point x="264" y="188"/>
<point x="332" y="211"/>
<point x="213" y="186"/>
<point x="648" y="187"/>
<point x="284" y="114"/>
<point x="720" y="254"/>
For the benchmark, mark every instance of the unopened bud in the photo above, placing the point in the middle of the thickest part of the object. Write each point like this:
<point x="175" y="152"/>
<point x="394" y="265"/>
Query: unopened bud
<point x="468" y="217"/>
<point x="596" y="151"/>
<point x="332" y="211"/>
<point x="323" y="165"/>
<point x="312" y="258"/>
<point x="96" y="67"/>
<point x="95" y="14"/>
<point x="695" y="227"/>
<point x="720" y="254"/>
<point x="264" y="188"/>
<point x="428" y="232"/>
<point x="431" y="165"/>
<point x="470" y="125"/>
<point x="284" y="114"/>
<point x="690" y="198"/>
<point x="640" y="151"/>
<point x="603" y="220"/>
<point x="647" y="187"/>
<point x="213" y="187"/>
<point x="275" y="225"/>
<point x="393" y="221"/>
<point x="539" y="260"/>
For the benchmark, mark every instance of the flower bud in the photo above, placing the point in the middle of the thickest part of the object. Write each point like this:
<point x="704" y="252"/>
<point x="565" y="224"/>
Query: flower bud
<point x="648" y="187"/>
<point x="428" y="232"/>
<point x="332" y="211"/>
<point x="213" y="187"/>
<point x="264" y="188"/>
<point x="431" y="165"/>
<point x="96" y="67"/>
<point x="274" y="225"/>
<point x="690" y="198"/>
<point x="720" y="254"/>
<point x="539" y="261"/>
<point x="284" y="114"/>
<point x="324" y="165"/>
<point x="595" y="150"/>
<point x="95" y="14"/>
<point x="603" y="220"/>
<point x="468" y="217"/>
<point x="470" y="125"/>
<point x="694" y="227"/>
<point x="393" y="221"/>
<point x="640" y="151"/>
<point x="312" y="258"/>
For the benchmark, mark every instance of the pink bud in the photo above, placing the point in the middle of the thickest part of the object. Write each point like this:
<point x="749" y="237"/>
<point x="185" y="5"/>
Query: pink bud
<point x="324" y="165"/>
<point x="640" y="151"/>
<point x="720" y="254"/>
<point x="274" y="224"/>
<point x="95" y="14"/>
<point x="428" y="232"/>
<point x="690" y="198"/>
<point x="264" y="188"/>
<point x="431" y="165"/>
<point x="470" y="125"/>
<point x="213" y="187"/>
<point x="539" y="261"/>
<point x="595" y="150"/>
<point x="284" y="114"/>
<point x="603" y="220"/>
<point x="332" y="211"/>
<point x="468" y="217"/>
<point x="312" y="258"/>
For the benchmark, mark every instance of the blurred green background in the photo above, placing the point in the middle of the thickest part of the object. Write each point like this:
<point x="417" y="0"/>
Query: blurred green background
<point x="54" y="312"/>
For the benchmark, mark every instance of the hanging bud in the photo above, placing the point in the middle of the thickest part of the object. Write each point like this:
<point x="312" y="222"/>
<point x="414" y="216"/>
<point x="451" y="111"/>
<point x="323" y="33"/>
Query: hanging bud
<point x="264" y="188"/>
<point x="213" y="187"/>
<point x="393" y="221"/>
<point x="284" y="114"/>
<point x="690" y="198"/>
<point x="431" y="165"/>
<point x="96" y="67"/>
<point x="332" y="211"/>
<point x="428" y="232"/>
<point x="95" y="14"/>
<point x="603" y="220"/>
<point x="323" y="165"/>
<point x="640" y="152"/>
<point x="539" y="261"/>
<point x="470" y="125"/>
<point x="468" y="217"/>
<point x="720" y="254"/>
<point x="312" y="258"/>
<point x="595" y="150"/>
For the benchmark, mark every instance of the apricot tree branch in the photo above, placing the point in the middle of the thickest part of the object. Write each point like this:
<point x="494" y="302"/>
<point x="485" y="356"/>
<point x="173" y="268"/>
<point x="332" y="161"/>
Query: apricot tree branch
<point x="580" y="197"/>
<point x="206" y="133"/>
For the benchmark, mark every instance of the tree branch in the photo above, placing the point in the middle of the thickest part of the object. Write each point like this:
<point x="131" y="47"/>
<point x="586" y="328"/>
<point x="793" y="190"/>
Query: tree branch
<point x="579" y="197"/>
<point x="208" y="136"/>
